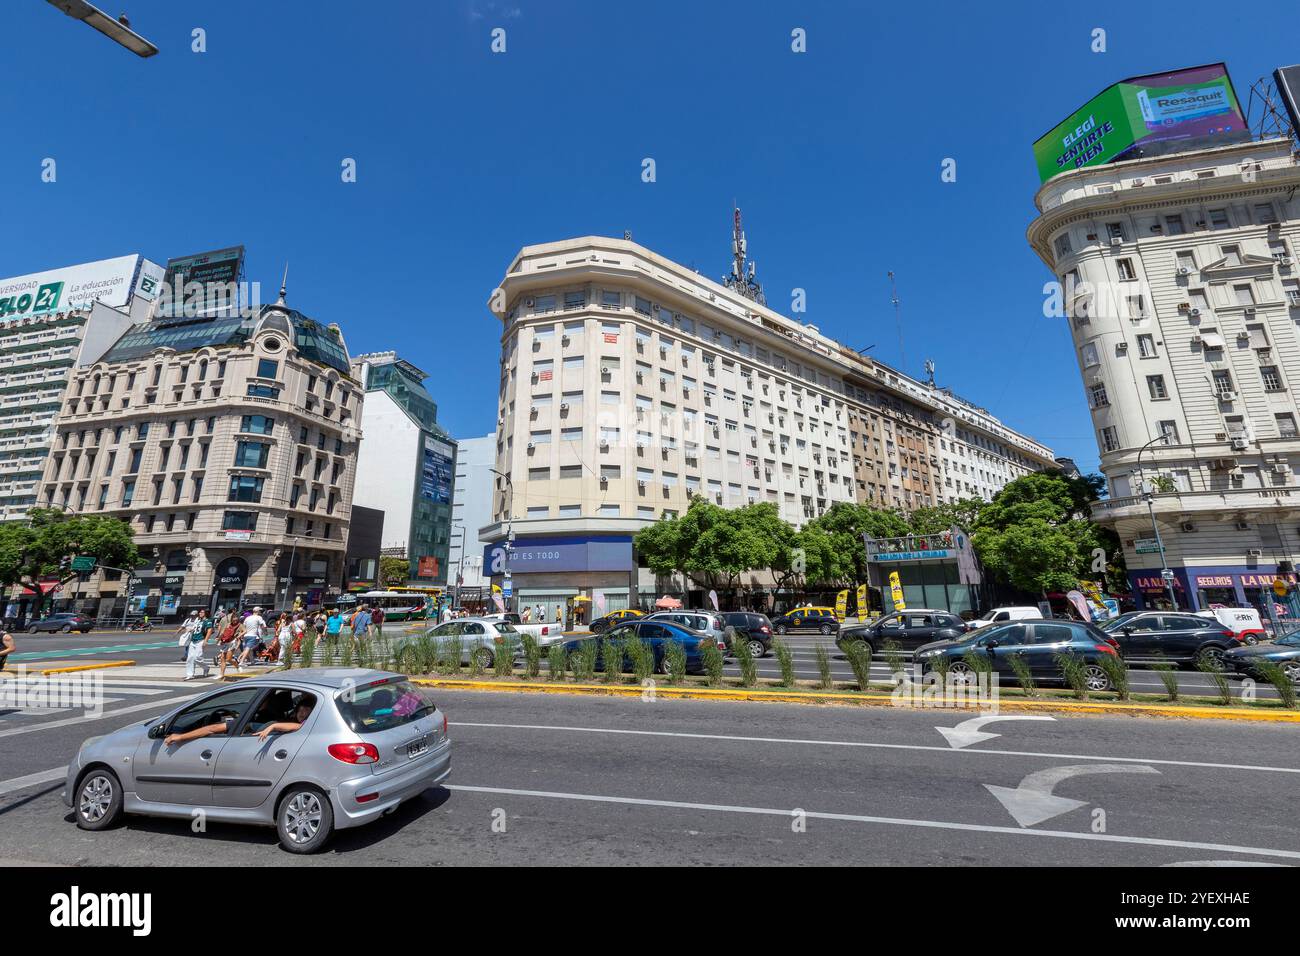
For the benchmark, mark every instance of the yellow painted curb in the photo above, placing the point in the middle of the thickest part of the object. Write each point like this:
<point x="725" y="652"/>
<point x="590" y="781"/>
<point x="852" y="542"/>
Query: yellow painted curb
<point x="877" y="700"/>
<point x="87" y="667"/>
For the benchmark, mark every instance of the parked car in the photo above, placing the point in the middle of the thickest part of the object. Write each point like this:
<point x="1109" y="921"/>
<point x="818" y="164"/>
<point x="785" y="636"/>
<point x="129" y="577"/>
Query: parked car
<point x="706" y="622"/>
<point x="614" y="617"/>
<point x="481" y="639"/>
<point x="64" y="621"/>
<point x="802" y="620"/>
<point x="1000" y="615"/>
<point x="1285" y="651"/>
<point x="752" y="627"/>
<point x="1180" y="638"/>
<point x="1242" y="621"/>
<point x="1037" y="643"/>
<point x="371" y="741"/>
<point x="544" y="633"/>
<point x="656" y="633"/>
<point x="907" y="629"/>
<point x="815" y="608"/>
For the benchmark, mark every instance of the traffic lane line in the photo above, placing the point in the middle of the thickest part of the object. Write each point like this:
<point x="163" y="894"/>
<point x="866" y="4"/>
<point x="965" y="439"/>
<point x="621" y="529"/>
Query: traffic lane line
<point x="877" y="745"/>
<point x="789" y="813"/>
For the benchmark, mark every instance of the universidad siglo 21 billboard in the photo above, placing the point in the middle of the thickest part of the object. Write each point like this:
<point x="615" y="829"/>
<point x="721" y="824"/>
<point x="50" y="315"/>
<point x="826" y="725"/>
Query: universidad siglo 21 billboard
<point x="1145" y="116"/>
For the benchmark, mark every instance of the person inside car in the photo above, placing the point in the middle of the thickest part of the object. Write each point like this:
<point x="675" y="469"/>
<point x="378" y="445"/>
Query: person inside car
<point x="223" y="721"/>
<point x="300" y="715"/>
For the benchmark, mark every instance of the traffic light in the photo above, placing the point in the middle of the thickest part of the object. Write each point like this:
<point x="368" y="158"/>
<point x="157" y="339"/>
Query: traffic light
<point x="65" y="564"/>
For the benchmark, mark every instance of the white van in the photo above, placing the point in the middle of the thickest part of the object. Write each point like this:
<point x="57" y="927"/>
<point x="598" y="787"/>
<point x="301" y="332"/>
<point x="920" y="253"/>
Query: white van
<point x="1244" y="622"/>
<point x="1000" y="615"/>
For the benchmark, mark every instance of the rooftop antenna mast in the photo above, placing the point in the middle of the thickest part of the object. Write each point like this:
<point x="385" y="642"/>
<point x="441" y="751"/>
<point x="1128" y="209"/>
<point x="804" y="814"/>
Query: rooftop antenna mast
<point x="929" y="371"/>
<point x="743" y="278"/>
<point x="898" y="320"/>
<point x="1264" y="115"/>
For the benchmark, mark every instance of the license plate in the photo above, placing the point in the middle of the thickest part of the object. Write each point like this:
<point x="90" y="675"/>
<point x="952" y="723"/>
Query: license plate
<point x="417" y="748"/>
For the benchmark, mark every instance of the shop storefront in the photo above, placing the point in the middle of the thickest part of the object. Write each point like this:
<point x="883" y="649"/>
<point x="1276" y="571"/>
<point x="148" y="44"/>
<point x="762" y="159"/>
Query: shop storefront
<point x="584" y="573"/>
<point x="1204" y="588"/>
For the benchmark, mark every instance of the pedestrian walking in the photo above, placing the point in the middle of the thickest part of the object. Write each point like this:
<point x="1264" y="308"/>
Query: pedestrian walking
<point x="283" y="636"/>
<point x="254" y="625"/>
<point x="360" y="625"/>
<point x="527" y="614"/>
<point x="7" y="647"/>
<point x="377" y="618"/>
<point x="184" y="633"/>
<point x="198" y="639"/>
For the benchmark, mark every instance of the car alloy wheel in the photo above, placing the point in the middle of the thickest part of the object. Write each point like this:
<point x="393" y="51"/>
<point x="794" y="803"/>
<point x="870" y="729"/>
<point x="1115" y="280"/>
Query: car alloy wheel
<point x="756" y="648"/>
<point x="67" y="628"/>
<point x="483" y="657"/>
<point x="99" y="800"/>
<point x="780" y="629"/>
<point x="959" y="672"/>
<point x="1095" y="679"/>
<point x="1211" y="655"/>
<point x="305" y="821"/>
<point x="860" y="646"/>
<point x="1292" y="670"/>
<point x="825" y="628"/>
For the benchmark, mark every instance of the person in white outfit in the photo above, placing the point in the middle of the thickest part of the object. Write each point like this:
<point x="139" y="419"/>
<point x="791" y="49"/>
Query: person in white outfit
<point x="198" y="638"/>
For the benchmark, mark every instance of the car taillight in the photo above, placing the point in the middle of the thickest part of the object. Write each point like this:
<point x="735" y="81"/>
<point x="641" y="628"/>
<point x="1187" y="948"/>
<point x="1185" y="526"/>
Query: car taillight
<point x="722" y="645"/>
<point x="1106" y="648"/>
<point x="765" y="629"/>
<point x="1232" y="635"/>
<point x="355" y="753"/>
<point x="1111" y="641"/>
<point x="545" y="629"/>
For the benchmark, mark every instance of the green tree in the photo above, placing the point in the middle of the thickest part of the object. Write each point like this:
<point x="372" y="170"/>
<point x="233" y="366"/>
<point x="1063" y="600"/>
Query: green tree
<point x="845" y="524"/>
<point x="714" y="546"/>
<point x="393" y="571"/>
<point x="36" y="548"/>
<point x="964" y="513"/>
<point x="1037" y="534"/>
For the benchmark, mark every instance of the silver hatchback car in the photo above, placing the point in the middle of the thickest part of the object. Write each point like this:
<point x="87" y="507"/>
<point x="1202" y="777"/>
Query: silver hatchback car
<point x="306" y="751"/>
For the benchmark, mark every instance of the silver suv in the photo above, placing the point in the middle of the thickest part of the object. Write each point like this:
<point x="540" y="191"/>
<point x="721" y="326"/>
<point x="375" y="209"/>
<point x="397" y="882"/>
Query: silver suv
<point x="306" y="751"/>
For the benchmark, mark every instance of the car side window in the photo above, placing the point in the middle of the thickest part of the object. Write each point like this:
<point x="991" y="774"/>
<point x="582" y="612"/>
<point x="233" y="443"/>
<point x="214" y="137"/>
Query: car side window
<point x="1176" y="623"/>
<point x="1052" y="633"/>
<point x="473" y="628"/>
<point x="228" y="706"/>
<point x="1145" y="624"/>
<point x="1012" y="635"/>
<point x="279" y="706"/>
<point x="892" y="621"/>
<point x="1000" y="616"/>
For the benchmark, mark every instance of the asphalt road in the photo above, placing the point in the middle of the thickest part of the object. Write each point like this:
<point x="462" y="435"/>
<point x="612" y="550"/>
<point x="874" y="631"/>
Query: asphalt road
<point x="560" y="779"/>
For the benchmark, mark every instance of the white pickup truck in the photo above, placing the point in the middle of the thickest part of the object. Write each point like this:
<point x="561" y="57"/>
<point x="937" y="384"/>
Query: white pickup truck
<point x="544" y="634"/>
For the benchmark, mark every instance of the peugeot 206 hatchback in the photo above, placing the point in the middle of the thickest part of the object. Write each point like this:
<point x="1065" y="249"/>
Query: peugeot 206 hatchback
<point x="306" y="751"/>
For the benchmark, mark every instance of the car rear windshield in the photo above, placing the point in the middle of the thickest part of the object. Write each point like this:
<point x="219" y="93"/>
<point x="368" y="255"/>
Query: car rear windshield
<point x="375" y="708"/>
<point x="505" y="627"/>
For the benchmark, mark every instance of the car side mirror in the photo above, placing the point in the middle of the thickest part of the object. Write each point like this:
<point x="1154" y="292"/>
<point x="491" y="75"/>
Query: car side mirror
<point x="991" y="643"/>
<point x="158" y="731"/>
<point x="1126" y="629"/>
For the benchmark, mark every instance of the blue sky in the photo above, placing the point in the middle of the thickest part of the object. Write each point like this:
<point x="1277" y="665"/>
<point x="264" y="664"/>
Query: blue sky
<point x="464" y="155"/>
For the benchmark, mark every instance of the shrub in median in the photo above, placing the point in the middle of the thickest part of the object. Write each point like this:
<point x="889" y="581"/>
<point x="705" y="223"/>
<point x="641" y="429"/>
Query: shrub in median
<point x="583" y="661"/>
<point x="711" y="657"/>
<point x="784" y="660"/>
<point x="611" y="658"/>
<point x="859" y="655"/>
<point x="745" y="660"/>
<point x="532" y="656"/>
<point x="1275" y="674"/>
<point x="894" y="658"/>
<point x="1168" y="675"/>
<point x="1075" y="672"/>
<point x="1024" y="676"/>
<point x="1117" y="673"/>
<point x="1214" y="670"/>
<point x="825" y="679"/>
<point x="555" y="662"/>
<point x="642" y="657"/>
<point x="675" y="662"/>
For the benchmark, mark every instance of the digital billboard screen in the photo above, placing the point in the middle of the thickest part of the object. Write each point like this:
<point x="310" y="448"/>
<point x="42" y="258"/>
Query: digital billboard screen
<point x="437" y="472"/>
<point x="1287" y="81"/>
<point x="1145" y="116"/>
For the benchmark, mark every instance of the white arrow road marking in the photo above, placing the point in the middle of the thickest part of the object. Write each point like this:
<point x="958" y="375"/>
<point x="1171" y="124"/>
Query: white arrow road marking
<point x="968" y="731"/>
<point x="1033" y="802"/>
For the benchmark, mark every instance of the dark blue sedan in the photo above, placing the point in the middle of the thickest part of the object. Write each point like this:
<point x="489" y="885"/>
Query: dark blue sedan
<point x="657" y="634"/>
<point x="1285" y="652"/>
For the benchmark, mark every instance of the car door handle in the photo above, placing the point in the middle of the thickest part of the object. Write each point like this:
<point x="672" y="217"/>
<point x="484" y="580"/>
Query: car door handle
<point x="281" y="754"/>
<point x="206" y="755"/>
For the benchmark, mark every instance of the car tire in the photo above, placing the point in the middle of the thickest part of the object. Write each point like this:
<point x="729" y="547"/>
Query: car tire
<point x="67" y="628"/>
<point x="756" y="648"/>
<point x="1208" y="654"/>
<point x="825" y="628"/>
<point x="1292" y="670"/>
<point x="780" y="629"/>
<point x="860" y="645"/>
<point x="304" y="820"/>
<point x="1250" y="640"/>
<point x="482" y="656"/>
<point x="962" y="673"/>
<point x="1096" y="679"/>
<point x="97" y="804"/>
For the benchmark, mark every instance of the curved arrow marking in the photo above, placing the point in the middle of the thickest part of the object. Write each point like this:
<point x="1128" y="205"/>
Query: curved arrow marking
<point x="968" y="731"/>
<point x="1033" y="802"/>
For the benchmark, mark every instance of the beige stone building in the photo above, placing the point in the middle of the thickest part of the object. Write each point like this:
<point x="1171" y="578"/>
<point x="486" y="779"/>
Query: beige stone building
<point x="1180" y="287"/>
<point x="630" y="383"/>
<point x="230" y="445"/>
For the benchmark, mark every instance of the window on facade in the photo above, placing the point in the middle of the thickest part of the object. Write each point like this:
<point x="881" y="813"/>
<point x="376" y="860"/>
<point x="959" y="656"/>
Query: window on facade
<point x="1219" y="219"/>
<point x="1097" y="395"/>
<point x="1126" y="271"/>
<point x="1146" y="346"/>
<point x="267" y="368"/>
<point x="128" y="493"/>
<point x="1285" y="425"/>
<point x="1223" y="382"/>
<point x="251" y="454"/>
<point x="253" y="424"/>
<point x="263" y="391"/>
<point x="1169" y="429"/>
<point x="1109" y="438"/>
<point x="245" y="488"/>
<point x="239" y="521"/>
<point x="1272" y="380"/>
<point x="1174" y="225"/>
<point x="1156" y="387"/>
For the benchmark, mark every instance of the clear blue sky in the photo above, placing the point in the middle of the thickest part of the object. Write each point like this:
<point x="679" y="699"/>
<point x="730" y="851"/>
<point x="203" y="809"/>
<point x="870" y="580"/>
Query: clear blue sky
<point x="464" y="156"/>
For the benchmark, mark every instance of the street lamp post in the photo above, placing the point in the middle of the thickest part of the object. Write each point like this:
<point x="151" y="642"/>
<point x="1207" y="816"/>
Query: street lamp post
<point x="288" y="579"/>
<point x="510" y="533"/>
<point x="1149" y="496"/>
<point x="461" y="564"/>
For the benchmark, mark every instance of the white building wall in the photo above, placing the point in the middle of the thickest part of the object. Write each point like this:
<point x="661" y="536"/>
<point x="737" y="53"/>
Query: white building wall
<point x="471" y="507"/>
<point x="386" y="465"/>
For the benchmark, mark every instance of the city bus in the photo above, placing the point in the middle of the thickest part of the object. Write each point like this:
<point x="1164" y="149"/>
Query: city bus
<point x="399" y="604"/>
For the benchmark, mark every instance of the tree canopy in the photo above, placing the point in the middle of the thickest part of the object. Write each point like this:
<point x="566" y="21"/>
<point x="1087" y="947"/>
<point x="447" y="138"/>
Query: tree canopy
<point x="34" y="549"/>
